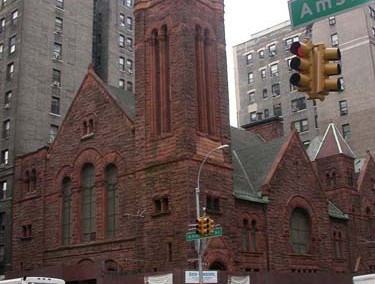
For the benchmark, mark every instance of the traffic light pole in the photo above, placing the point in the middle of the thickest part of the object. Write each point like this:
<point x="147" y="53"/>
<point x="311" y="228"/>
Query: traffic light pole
<point x="199" y="243"/>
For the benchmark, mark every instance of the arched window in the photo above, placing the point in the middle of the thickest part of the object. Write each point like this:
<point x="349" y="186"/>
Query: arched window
<point x="328" y="180"/>
<point x="33" y="180"/>
<point x="340" y="245"/>
<point x="67" y="211"/>
<point x="300" y="231"/>
<point x="245" y="235"/>
<point x="27" y="181"/>
<point x="334" y="179"/>
<point x="112" y="200"/>
<point x="88" y="203"/>
<point x="253" y="236"/>
<point x="369" y="223"/>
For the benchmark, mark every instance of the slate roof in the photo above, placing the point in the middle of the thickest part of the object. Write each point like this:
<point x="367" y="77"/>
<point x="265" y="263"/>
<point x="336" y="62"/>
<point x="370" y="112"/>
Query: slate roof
<point x="252" y="159"/>
<point x="124" y="98"/>
<point x="332" y="144"/>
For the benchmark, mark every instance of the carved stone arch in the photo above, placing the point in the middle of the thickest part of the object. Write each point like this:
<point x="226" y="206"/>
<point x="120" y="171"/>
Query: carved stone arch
<point x="111" y="266"/>
<point x="218" y="254"/>
<point x="87" y="156"/>
<point x="85" y="262"/>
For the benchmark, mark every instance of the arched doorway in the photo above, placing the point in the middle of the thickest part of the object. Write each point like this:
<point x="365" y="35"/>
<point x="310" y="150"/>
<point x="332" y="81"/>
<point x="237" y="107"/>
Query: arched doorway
<point x="217" y="266"/>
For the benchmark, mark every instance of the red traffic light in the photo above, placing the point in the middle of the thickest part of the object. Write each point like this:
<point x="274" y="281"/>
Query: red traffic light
<point x="296" y="49"/>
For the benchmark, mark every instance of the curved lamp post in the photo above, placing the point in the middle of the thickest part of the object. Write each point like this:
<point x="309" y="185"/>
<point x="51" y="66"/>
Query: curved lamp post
<point x="197" y="192"/>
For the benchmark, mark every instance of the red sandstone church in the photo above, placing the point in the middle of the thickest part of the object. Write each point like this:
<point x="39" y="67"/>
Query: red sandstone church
<point x="115" y="192"/>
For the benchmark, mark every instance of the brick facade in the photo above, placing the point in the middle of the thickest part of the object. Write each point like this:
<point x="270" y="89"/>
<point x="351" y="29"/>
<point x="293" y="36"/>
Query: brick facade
<point x="253" y="192"/>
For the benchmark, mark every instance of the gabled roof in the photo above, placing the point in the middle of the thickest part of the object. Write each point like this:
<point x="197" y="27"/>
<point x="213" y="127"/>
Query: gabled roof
<point x="252" y="159"/>
<point x="332" y="144"/>
<point x="124" y="98"/>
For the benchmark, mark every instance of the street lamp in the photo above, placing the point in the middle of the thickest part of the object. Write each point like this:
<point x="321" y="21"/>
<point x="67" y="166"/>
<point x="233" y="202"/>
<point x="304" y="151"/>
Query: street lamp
<point x="197" y="191"/>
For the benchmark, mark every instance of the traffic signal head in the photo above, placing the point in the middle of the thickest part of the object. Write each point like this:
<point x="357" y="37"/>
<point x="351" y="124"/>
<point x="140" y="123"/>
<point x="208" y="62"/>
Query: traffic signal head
<point x="326" y="68"/>
<point x="211" y="226"/>
<point x="197" y="227"/>
<point x="200" y="226"/>
<point x="206" y="222"/>
<point x="303" y="64"/>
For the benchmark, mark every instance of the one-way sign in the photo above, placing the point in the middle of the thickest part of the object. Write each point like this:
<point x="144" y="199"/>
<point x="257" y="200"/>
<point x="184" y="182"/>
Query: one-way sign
<point x="303" y="12"/>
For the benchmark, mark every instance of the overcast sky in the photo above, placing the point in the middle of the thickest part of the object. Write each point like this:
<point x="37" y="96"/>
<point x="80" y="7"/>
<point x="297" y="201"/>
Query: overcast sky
<point x="242" y="19"/>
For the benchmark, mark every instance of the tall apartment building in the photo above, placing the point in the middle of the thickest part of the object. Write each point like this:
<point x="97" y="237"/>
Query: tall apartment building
<point x="262" y="75"/>
<point x="45" y="50"/>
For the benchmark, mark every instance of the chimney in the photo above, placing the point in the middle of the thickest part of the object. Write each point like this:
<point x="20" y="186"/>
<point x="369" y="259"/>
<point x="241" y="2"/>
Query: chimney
<point x="270" y="128"/>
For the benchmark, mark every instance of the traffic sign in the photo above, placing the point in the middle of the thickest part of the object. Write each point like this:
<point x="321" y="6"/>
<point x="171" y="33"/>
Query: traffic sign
<point x="192" y="236"/>
<point x="303" y="12"/>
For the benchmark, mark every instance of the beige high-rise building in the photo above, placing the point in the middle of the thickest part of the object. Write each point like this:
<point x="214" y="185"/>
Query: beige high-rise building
<point x="262" y="79"/>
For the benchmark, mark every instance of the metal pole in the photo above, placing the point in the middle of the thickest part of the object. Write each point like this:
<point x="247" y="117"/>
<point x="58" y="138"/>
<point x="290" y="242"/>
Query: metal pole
<point x="199" y="244"/>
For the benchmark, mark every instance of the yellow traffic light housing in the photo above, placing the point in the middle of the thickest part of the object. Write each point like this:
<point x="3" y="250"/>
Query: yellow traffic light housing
<point x="326" y="68"/>
<point x="200" y="226"/>
<point x="303" y="64"/>
<point x="211" y="226"/>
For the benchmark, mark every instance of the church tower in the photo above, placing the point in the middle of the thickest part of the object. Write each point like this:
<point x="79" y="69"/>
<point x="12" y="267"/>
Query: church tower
<point x="182" y="114"/>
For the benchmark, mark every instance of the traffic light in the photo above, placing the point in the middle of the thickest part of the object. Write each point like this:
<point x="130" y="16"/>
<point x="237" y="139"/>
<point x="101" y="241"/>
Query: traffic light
<point x="197" y="226"/>
<point x="326" y="68"/>
<point x="303" y="62"/>
<point x="206" y="223"/>
<point x="211" y="226"/>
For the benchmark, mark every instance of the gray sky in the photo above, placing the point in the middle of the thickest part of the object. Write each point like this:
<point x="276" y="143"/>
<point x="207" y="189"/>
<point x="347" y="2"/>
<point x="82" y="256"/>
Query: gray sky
<point x="242" y="19"/>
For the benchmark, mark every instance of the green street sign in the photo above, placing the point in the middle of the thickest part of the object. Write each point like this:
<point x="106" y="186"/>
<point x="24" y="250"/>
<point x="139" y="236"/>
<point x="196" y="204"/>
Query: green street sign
<point x="192" y="236"/>
<point x="303" y="12"/>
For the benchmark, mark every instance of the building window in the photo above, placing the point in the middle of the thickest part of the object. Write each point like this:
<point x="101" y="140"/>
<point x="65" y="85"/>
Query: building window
<point x="249" y="58"/>
<point x="10" y="71"/>
<point x="12" y="44"/>
<point x="298" y="104"/>
<point x="332" y="20"/>
<point x="263" y="73"/>
<point x="266" y="113"/>
<point x="121" y="83"/>
<point x="261" y="54"/>
<point x="26" y="231"/>
<point x="6" y="129"/>
<point x="88" y="203"/>
<point x="250" y="78"/>
<point x="253" y="116"/>
<point x="60" y="4"/>
<point x="265" y="93"/>
<point x="276" y="90"/>
<point x="2" y="24"/>
<point x="302" y="125"/>
<point x="251" y="98"/>
<point x="53" y="132"/>
<point x="129" y="66"/>
<point x="272" y="50"/>
<point x="346" y="132"/>
<point x="67" y="214"/>
<point x="56" y="78"/>
<point x="1" y="50"/>
<point x="7" y="99"/>
<point x="293" y="88"/>
<point x="161" y="205"/>
<point x="373" y="32"/>
<point x="316" y="121"/>
<point x="245" y="235"/>
<point x="121" y="41"/>
<point x="57" y="51"/>
<point x="334" y="39"/>
<point x="338" y="244"/>
<point x="129" y="23"/>
<point x="55" y="105"/>
<point x="3" y="194"/>
<point x="4" y="157"/>
<point x="111" y="200"/>
<point x="306" y="144"/>
<point x="122" y="20"/>
<point x="288" y="42"/>
<point x="58" y="25"/>
<point x="342" y="84"/>
<point x="343" y="108"/>
<point x="274" y="70"/>
<point x="129" y="3"/>
<point x="277" y="111"/>
<point x="121" y="62"/>
<point x="129" y="44"/>
<point x="213" y="204"/>
<point x="371" y="12"/>
<point x="129" y="86"/>
<point x="88" y="127"/>
<point x="300" y="231"/>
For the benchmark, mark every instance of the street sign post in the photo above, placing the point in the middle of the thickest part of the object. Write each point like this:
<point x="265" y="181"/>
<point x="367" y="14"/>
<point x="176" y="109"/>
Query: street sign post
<point x="303" y="12"/>
<point x="192" y="236"/>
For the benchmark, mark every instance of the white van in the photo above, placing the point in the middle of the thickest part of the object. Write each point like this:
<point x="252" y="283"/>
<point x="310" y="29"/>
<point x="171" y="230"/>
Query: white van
<point x="364" y="279"/>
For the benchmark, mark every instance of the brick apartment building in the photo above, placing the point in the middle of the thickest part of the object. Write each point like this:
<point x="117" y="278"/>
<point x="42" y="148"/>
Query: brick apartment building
<point x="114" y="193"/>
